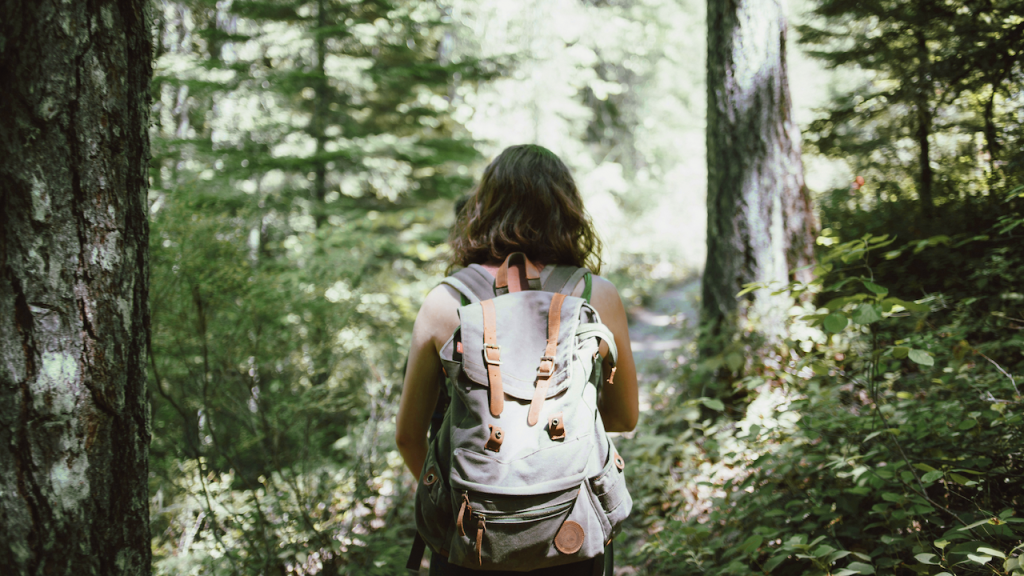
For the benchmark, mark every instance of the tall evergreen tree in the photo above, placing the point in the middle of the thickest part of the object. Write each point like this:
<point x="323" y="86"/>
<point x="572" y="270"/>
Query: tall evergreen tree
<point x="74" y="288"/>
<point x="760" y="220"/>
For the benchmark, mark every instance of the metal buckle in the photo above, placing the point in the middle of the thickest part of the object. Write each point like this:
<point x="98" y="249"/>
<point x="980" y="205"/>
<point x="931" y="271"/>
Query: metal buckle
<point x="541" y="373"/>
<point x="487" y="357"/>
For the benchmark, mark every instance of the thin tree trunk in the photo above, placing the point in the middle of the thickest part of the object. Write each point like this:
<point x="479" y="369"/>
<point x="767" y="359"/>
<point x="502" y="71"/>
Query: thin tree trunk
<point x="74" y="415"/>
<point x="924" y="128"/>
<point x="760" y="220"/>
<point x="320" y="111"/>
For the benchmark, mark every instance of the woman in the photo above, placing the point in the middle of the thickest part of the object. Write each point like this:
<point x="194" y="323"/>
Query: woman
<point x="526" y="202"/>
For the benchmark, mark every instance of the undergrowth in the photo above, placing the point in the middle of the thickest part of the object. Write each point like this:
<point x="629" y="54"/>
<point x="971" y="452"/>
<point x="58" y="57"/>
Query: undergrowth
<point x="885" y="435"/>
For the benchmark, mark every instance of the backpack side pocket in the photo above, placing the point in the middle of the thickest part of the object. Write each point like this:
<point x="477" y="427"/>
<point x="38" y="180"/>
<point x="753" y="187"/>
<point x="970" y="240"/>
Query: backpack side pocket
<point x="609" y="490"/>
<point x="434" y="506"/>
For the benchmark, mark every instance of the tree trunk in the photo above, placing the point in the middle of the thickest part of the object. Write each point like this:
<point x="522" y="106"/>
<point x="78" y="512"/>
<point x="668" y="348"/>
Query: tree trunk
<point x="924" y="126"/>
<point x="319" y="119"/>
<point x="760" y="220"/>
<point x="74" y="415"/>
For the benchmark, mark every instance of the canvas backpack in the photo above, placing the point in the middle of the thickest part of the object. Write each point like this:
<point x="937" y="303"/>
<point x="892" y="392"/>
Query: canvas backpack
<point x="521" y="474"/>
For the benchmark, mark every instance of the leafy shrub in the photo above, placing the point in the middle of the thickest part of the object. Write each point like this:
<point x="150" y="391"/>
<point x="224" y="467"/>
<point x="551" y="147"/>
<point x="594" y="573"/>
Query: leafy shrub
<point x="885" y="435"/>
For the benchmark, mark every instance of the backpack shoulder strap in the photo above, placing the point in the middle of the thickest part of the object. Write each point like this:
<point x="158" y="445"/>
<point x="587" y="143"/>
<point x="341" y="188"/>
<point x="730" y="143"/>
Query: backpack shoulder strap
<point x="474" y="282"/>
<point x="562" y="279"/>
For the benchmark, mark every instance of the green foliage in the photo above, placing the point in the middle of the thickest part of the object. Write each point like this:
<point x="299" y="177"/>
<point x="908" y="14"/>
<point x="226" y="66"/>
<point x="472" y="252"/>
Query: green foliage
<point x="303" y="169"/>
<point x="925" y="108"/>
<point x="883" y="436"/>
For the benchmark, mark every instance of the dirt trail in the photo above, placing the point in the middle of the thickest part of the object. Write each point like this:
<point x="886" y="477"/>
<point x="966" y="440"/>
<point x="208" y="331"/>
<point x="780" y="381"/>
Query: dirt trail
<point x="661" y="331"/>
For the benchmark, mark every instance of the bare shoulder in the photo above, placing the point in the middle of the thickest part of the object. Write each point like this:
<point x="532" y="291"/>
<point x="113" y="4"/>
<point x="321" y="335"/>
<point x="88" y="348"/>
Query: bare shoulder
<point x="603" y="289"/>
<point x="605" y="297"/>
<point x="438" y="315"/>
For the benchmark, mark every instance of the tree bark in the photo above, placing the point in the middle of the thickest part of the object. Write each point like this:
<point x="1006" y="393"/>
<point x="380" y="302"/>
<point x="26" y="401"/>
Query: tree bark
<point x="74" y="415"/>
<point x="761" y="223"/>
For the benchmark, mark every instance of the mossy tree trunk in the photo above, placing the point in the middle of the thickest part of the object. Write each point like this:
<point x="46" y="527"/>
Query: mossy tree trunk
<point x="74" y="415"/>
<point x="760" y="219"/>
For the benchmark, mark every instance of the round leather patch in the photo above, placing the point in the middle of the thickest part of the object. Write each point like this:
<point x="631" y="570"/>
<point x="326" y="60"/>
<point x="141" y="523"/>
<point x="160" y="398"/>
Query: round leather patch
<point x="619" y="462"/>
<point x="569" y="539"/>
<point x="430" y="477"/>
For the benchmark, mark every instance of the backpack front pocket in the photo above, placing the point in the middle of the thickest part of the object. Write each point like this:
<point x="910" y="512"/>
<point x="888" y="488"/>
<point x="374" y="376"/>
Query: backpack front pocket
<point x="526" y="532"/>
<point x="610" y="493"/>
<point x="433" y="506"/>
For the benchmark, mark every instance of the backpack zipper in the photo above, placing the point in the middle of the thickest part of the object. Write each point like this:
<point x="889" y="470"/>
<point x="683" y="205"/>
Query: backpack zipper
<point x="518" y="517"/>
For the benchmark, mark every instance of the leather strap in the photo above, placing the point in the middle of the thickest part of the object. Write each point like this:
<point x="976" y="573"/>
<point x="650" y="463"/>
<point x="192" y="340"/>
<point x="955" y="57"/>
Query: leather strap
<point x="480" y="527"/>
<point x="492" y="357"/>
<point x="547" y="362"/>
<point x="504" y="283"/>
<point x="462" y="512"/>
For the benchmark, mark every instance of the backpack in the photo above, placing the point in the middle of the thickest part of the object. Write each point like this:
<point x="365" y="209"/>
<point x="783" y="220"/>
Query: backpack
<point x="533" y="480"/>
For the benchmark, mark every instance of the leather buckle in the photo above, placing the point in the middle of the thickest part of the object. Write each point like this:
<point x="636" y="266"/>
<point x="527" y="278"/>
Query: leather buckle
<point x="496" y="361"/>
<point x="497" y="437"/>
<point x="541" y="372"/>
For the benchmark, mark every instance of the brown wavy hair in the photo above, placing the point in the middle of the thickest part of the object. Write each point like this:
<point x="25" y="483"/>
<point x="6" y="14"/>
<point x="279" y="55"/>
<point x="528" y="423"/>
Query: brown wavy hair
<point x="526" y="202"/>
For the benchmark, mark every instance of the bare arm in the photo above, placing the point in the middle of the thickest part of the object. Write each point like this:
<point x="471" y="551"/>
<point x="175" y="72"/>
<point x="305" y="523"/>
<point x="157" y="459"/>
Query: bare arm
<point x="620" y="402"/>
<point x="435" y="322"/>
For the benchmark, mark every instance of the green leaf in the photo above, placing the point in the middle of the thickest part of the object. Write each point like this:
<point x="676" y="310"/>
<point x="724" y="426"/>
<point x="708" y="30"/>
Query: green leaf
<point x="751" y="544"/>
<point x="836" y="556"/>
<point x="991" y="552"/>
<point x="713" y="403"/>
<point x="880" y="290"/>
<point x="927" y="558"/>
<point x="900" y="352"/>
<point x="916" y="307"/>
<point x="921" y="357"/>
<point x="734" y="360"/>
<point x="866" y="314"/>
<point x="962" y="480"/>
<point x="748" y="288"/>
<point x="975" y="524"/>
<point x="823" y="550"/>
<point x="836" y="322"/>
<point x="861" y="568"/>
<point x="967" y="424"/>
<point x="819" y="368"/>
<point x="980" y="558"/>
<point x="774" y="562"/>
<point x="931" y="476"/>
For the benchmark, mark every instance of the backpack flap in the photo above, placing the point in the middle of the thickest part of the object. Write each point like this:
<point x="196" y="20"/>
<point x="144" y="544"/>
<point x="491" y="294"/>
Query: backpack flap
<point x="522" y="334"/>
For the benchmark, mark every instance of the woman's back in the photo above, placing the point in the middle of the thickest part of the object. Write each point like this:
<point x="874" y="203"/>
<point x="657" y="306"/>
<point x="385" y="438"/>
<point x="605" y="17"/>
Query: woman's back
<point x="526" y="202"/>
